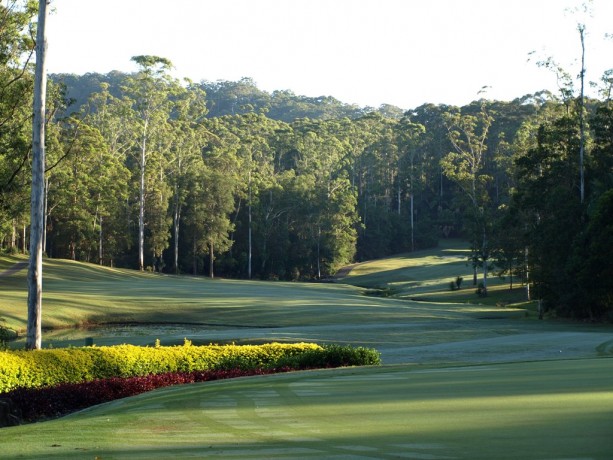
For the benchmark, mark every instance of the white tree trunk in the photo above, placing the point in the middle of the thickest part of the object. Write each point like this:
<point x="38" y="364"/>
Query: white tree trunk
<point x="528" y="295"/>
<point x="412" y="225"/>
<point x="45" y="212"/>
<point x="14" y="235"/>
<point x="141" y="204"/>
<point x="581" y="29"/>
<point x="35" y="268"/>
<point x="249" y="260"/>
<point x="177" y="221"/>
<point x="100" y="241"/>
<point x="211" y="260"/>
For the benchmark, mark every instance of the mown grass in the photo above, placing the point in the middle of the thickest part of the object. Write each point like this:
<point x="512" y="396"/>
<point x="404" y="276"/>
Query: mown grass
<point x="529" y="409"/>
<point x="555" y="409"/>
<point x="141" y="307"/>
<point x="77" y="293"/>
<point x="426" y="276"/>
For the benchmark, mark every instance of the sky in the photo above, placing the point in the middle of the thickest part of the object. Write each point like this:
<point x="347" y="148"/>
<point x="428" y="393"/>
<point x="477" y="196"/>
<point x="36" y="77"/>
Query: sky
<point x="365" y="52"/>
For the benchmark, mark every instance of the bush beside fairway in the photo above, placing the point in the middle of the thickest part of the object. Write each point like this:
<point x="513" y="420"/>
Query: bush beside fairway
<point x="44" y="368"/>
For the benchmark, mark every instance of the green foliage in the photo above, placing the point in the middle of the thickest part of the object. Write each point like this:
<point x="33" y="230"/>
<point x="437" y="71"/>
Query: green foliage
<point x="6" y="334"/>
<point x="280" y="186"/>
<point x="333" y="356"/>
<point x="42" y="368"/>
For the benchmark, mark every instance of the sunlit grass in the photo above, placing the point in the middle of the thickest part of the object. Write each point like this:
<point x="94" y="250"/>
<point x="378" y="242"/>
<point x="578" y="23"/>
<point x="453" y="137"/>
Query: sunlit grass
<point x="559" y="409"/>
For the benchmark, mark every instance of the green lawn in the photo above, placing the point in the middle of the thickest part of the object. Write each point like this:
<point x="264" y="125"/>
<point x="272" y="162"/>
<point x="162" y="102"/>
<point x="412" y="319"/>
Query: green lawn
<point x="425" y="275"/>
<point x="542" y="410"/>
<point x="463" y="378"/>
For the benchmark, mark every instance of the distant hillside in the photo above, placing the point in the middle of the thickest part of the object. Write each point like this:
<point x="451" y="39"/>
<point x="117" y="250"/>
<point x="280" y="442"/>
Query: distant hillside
<point x="234" y="97"/>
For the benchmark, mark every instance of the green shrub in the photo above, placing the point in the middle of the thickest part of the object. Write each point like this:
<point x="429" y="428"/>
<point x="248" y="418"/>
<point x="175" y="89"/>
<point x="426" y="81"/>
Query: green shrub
<point x="6" y="334"/>
<point x="333" y="356"/>
<point x="42" y="368"/>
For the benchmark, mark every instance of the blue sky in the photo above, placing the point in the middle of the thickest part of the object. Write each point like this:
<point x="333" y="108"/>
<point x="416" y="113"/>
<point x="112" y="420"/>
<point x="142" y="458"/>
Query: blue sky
<point x="368" y="52"/>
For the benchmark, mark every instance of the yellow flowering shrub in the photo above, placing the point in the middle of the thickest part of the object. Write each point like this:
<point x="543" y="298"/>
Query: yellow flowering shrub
<point x="41" y="368"/>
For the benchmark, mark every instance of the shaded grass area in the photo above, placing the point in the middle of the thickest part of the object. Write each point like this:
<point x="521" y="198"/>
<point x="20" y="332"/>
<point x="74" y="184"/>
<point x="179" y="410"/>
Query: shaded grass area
<point x="426" y="275"/>
<point x="138" y="308"/>
<point x="77" y="293"/>
<point x="556" y="409"/>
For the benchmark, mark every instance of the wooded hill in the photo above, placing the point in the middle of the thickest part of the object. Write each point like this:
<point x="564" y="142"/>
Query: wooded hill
<point x="148" y="172"/>
<point x="231" y="98"/>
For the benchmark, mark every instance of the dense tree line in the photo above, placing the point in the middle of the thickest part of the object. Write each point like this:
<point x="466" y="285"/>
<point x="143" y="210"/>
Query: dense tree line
<point x="150" y="172"/>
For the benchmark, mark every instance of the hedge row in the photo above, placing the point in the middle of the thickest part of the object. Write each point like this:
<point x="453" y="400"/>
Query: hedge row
<point x="44" y="368"/>
<point x="31" y="405"/>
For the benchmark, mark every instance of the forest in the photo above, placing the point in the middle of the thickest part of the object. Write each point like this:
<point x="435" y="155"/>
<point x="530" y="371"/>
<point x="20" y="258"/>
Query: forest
<point x="222" y="179"/>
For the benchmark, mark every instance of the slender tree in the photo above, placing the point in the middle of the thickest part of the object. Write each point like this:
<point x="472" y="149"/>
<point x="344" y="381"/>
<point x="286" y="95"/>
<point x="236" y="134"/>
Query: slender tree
<point x="581" y="30"/>
<point x="35" y="270"/>
<point x="150" y="90"/>
<point x="465" y="166"/>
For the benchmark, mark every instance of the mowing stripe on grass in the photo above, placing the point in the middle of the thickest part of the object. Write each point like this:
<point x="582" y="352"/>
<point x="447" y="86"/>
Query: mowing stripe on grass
<point x="535" y="410"/>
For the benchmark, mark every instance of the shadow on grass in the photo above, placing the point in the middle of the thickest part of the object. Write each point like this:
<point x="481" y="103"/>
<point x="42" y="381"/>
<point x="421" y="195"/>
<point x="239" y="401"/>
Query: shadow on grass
<point x="585" y="436"/>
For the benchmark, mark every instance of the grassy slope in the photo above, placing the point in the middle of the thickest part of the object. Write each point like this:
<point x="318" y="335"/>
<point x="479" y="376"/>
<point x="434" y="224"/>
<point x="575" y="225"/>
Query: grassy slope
<point x="77" y="293"/>
<point x="539" y="409"/>
<point x="425" y="275"/>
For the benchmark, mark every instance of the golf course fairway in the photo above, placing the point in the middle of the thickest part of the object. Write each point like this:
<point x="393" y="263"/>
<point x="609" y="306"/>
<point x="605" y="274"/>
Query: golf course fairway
<point x="535" y="410"/>
<point x="463" y="377"/>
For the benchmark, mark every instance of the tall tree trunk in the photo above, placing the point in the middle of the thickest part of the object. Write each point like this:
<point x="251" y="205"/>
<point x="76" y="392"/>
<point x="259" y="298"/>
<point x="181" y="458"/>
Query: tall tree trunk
<point x="14" y="235"/>
<point x="211" y="259"/>
<point x="45" y="212"/>
<point x="35" y="268"/>
<point x="100" y="251"/>
<point x="318" y="252"/>
<point x="176" y="218"/>
<point x="528" y="295"/>
<point x="398" y="200"/>
<point x="412" y="225"/>
<point x="581" y="29"/>
<point x="141" y="204"/>
<point x="194" y="257"/>
<point x="485" y="259"/>
<point x="249" y="257"/>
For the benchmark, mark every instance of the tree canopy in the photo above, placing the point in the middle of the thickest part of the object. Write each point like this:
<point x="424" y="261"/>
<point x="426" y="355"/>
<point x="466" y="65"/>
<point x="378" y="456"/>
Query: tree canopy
<point x="221" y="178"/>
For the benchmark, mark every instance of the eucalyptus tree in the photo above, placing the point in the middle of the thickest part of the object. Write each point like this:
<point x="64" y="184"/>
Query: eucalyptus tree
<point x="189" y="136"/>
<point x="547" y="180"/>
<point x="319" y="149"/>
<point x="150" y="91"/>
<point x="410" y="146"/>
<point x="368" y="139"/>
<point x="252" y="138"/>
<point x="110" y="116"/>
<point x="209" y="204"/>
<point x="465" y="166"/>
<point x="16" y="87"/>
<point x="35" y="268"/>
